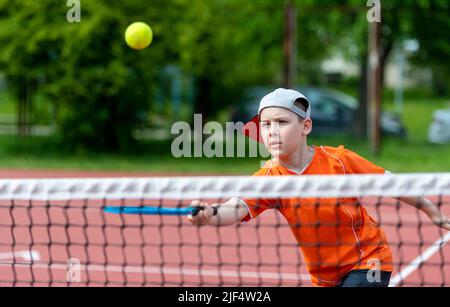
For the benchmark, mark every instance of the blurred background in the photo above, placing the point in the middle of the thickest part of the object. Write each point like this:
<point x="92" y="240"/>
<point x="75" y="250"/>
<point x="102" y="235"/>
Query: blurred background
<point x="74" y="96"/>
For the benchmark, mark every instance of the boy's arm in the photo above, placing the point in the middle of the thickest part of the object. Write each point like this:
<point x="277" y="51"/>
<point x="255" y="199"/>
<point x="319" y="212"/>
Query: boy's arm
<point x="228" y="213"/>
<point x="430" y="209"/>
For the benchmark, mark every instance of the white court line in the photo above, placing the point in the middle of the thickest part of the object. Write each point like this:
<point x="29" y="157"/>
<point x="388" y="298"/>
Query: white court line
<point x="170" y="271"/>
<point x="24" y="255"/>
<point x="435" y="247"/>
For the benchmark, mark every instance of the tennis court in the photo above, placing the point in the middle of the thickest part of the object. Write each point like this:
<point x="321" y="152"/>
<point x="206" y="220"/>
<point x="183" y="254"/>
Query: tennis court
<point x="223" y="88"/>
<point x="39" y="237"/>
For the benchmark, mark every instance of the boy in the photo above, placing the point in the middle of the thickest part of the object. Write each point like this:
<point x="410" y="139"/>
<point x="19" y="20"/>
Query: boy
<point x="337" y="236"/>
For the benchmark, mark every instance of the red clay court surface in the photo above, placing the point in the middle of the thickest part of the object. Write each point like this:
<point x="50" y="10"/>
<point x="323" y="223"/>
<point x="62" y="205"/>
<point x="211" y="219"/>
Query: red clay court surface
<point x="167" y="251"/>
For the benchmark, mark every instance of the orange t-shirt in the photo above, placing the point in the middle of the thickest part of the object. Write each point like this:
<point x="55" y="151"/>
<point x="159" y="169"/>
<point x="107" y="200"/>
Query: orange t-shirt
<point x="336" y="236"/>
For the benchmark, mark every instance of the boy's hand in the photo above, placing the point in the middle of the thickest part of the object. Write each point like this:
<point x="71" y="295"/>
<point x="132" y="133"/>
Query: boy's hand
<point x="204" y="216"/>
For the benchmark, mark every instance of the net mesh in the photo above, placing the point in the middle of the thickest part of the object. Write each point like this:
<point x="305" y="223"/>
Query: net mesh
<point x="55" y="233"/>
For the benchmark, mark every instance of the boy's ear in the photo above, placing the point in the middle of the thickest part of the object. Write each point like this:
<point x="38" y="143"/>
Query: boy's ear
<point x="307" y="126"/>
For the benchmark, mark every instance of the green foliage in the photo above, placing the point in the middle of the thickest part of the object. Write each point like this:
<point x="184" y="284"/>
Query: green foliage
<point x="423" y="20"/>
<point x="432" y="29"/>
<point x="98" y="86"/>
<point x="93" y="79"/>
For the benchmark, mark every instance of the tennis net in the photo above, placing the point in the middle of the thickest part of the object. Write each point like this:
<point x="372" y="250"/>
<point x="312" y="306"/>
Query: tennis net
<point x="57" y="233"/>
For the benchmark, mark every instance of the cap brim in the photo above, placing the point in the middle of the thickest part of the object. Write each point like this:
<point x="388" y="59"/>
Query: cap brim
<point x="251" y="129"/>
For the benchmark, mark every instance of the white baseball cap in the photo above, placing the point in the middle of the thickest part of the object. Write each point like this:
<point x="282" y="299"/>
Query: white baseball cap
<point x="282" y="98"/>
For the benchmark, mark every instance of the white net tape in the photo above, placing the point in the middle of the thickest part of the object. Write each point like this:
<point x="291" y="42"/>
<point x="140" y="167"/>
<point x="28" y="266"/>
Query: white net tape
<point x="388" y="185"/>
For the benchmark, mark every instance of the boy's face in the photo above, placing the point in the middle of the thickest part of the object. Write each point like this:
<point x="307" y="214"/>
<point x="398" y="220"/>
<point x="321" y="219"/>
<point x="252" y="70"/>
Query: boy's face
<point x="283" y="132"/>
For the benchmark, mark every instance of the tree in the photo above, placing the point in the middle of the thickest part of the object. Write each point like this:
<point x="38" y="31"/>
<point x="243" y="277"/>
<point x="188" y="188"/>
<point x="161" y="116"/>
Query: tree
<point x="97" y="84"/>
<point x="430" y="25"/>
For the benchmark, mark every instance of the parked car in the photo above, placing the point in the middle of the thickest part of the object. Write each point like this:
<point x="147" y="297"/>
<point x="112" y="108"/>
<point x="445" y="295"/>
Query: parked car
<point x="439" y="131"/>
<point x="332" y="111"/>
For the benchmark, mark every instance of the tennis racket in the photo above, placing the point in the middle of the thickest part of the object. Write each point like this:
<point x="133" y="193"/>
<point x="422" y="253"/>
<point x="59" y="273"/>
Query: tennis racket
<point x="152" y="210"/>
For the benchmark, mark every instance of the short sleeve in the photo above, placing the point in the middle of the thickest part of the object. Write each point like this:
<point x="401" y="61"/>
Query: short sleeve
<point x="359" y="165"/>
<point x="257" y="206"/>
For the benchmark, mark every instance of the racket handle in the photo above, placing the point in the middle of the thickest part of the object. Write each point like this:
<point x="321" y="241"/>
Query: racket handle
<point x="196" y="210"/>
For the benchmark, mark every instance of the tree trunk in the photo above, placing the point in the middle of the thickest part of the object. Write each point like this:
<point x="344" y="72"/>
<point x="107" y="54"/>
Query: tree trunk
<point x="374" y="87"/>
<point x="24" y="107"/>
<point x="203" y="102"/>
<point x="439" y="82"/>
<point x="289" y="45"/>
<point x="385" y="53"/>
<point x="360" y="123"/>
<point x="202" y="106"/>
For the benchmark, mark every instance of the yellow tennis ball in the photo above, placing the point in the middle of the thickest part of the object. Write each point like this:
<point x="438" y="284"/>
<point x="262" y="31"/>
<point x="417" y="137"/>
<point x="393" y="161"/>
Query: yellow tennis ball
<point x="139" y="35"/>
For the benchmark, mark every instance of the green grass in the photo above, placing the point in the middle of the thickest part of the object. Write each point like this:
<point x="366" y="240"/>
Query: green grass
<point x="396" y="156"/>
<point x="399" y="155"/>
<point x="8" y="109"/>
<point x="152" y="156"/>
<point x="7" y="105"/>
<point x="133" y="164"/>
<point x="418" y="115"/>
<point x="413" y="154"/>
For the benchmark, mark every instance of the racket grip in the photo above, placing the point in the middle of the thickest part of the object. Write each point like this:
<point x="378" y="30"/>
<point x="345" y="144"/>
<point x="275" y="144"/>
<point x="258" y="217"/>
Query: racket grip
<point x="196" y="210"/>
